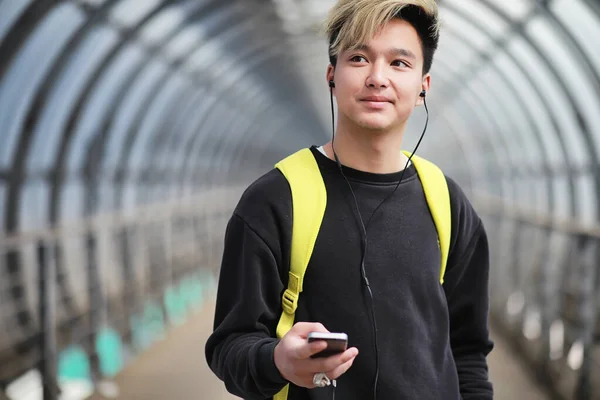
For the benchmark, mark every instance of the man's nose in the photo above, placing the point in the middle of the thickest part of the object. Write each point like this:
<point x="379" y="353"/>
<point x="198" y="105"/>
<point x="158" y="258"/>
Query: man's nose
<point x="377" y="76"/>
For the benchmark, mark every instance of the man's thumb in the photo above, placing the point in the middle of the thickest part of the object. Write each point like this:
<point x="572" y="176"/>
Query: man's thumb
<point x="304" y="328"/>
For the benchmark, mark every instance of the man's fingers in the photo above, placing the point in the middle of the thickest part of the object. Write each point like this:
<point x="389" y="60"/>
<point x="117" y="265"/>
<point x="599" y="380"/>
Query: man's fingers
<point x="340" y="370"/>
<point x="332" y="362"/>
<point x="308" y="349"/>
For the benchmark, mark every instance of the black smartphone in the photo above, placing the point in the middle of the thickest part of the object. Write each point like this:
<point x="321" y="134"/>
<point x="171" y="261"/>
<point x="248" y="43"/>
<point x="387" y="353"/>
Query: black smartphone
<point x="336" y="343"/>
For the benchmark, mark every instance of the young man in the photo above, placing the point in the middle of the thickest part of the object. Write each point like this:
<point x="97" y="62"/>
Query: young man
<point x="431" y="340"/>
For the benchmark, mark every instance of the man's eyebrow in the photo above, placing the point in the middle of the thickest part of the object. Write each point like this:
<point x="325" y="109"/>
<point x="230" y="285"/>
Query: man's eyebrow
<point x="403" y="53"/>
<point x="394" y="51"/>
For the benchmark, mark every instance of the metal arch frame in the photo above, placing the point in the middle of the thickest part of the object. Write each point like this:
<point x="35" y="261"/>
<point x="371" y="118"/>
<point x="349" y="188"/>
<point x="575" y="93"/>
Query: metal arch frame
<point x="290" y="83"/>
<point x="584" y="130"/>
<point x="32" y="16"/>
<point x="522" y="104"/>
<point x="571" y="43"/>
<point x="249" y="65"/>
<point x="255" y="129"/>
<point x="252" y="117"/>
<point x="242" y="150"/>
<point x="538" y="250"/>
<point x="190" y="92"/>
<point x="133" y="136"/>
<point x="592" y="155"/>
<point x="492" y="139"/>
<point x="214" y="147"/>
<point x="588" y="71"/>
<point x="503" y="76"/>
<point x="594" y="5"/>
<point x="128" y="37"/>
<point x="200" y="11"/>
<point x="583" y="388"/>
<point x="450" y="120"/>
<point x="32" y="130"/>
<point x="143" y="176"/>
<point x="58" y="171"/>
<point x="194" y="141"/>
<point x="171" y="99"/>
<point x="197" y="140"/>
<point x="193" y="101"/>
<point x="196" y="164"/>
<point x="485" y="137"/>
<point x="97" y="142"/>
<point x="157" y="137"/>
<point x="192" y="104"/>
<point x="188" y="167"/>
<point x="205" y="114"/>
<point x="537" y="141"/>
<point x="497" y="140"/>
<point x="194" y="175"/>
<point x="462" y="145"/>
<point x="93" y="166"/>
<point x="546" y="241"/>
<point x="474" y="93"/>
<point x="136" y="70"/>
<point x="58" y="174"/>
<point x="500" y="45"/>
<point x="259" y="61"/>
<point x="205" y="110"/>
<point x="16" y="38"/>
<point x="130" y="138"/>
<point x="33" y="113"/>
<point x="466" y="143"/>
<point x="165" y="135"/>
<point x="577" y="52"/>
<point x="247" y="51"/>
<point x="121" y="173"/>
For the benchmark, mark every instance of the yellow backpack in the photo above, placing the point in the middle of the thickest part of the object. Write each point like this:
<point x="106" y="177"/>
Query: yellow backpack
<point x="309" y="199"/>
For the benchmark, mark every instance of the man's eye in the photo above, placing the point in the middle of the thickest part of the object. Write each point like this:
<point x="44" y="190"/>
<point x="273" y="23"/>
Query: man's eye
<point x="357" y="58"/>
<point x="399" y="63"/>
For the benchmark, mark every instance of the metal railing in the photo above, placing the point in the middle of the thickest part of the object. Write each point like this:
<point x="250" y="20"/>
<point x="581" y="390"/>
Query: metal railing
<point x="545" y="293"/>
<point x="79" y="301"/>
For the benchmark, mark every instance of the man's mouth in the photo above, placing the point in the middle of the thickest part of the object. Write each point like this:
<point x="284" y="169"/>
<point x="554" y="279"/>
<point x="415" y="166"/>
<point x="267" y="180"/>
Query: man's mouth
<point x="376" y="99"/>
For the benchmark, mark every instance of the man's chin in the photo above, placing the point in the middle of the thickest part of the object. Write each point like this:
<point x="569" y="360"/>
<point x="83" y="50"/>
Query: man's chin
<point x="375" y="125"/>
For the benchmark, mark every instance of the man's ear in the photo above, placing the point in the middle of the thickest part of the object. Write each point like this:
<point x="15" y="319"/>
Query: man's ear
<point x="425" y="85"/>
<point x="330" y="74"/>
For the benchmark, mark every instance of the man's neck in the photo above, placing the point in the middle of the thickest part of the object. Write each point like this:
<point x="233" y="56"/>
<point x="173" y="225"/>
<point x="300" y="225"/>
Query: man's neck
<point x="373" y="152"/>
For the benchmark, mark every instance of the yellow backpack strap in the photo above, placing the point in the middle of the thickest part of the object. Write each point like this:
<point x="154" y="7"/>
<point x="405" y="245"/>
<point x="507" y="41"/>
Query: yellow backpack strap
<point x="309" y="199"/>
<point x="438" y="199"/>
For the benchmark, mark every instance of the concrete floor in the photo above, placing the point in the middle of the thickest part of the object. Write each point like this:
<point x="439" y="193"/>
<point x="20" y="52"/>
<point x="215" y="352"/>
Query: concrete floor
<point x="176" y="369"/>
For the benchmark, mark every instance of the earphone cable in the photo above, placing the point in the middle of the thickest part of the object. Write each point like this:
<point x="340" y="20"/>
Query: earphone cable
<point x="364" y="228"/>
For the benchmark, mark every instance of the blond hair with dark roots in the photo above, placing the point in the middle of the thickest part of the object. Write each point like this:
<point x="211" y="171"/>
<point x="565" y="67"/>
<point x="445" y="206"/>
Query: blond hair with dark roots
<point x="351" y="23"/>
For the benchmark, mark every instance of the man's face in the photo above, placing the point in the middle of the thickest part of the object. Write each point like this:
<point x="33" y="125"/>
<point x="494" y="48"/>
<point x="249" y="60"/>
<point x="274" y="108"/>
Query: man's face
<point x="378" y="85"/>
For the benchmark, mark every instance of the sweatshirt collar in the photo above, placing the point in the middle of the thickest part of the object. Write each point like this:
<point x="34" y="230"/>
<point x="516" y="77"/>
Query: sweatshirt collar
<point x="330" y="165"/>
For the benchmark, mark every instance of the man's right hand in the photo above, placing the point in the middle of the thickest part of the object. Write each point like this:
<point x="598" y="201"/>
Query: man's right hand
<point x="293" y="356"/>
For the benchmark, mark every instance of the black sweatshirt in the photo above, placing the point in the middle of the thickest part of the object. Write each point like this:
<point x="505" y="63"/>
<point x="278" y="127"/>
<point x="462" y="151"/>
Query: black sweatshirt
<point x="433" y="339"/>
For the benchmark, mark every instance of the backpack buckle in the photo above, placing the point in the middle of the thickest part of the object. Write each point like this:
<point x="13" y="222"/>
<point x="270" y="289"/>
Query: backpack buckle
<point x="289" y="301"/>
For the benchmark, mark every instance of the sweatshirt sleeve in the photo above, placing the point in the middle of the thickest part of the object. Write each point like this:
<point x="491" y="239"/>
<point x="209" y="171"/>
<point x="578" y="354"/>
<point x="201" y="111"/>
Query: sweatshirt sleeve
<point x="240" y="349"/>
<point x="466" y="285"/>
